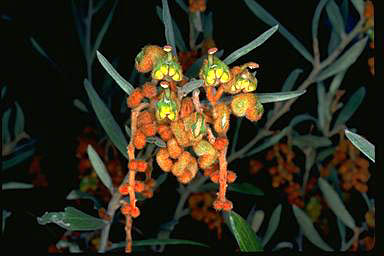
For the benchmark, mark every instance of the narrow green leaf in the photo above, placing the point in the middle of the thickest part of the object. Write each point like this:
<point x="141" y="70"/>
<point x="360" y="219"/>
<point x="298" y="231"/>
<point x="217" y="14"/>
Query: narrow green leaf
<point x="282" y="245"/>
<point x="100" y="168"/>
<point x="269" y="142"/>
<point x="352" y="105"/>
<point x="362" y="144"/>
<point x="335" y="17"/>
<point x="19" y="122"/>
<point x="102" y="32"/>
<point x="193" y="70"/>
<point x="79" y="26"/>
<point x="336" y="82"/>
<point x="245" y="237"/>
<point x="359" y="5"/>
<point x="3" y="91"/>
<point x="322" y="155"/>
<point x="257" y="220"/>
<point x="17" y="159"/>
<point x="106" y="119"/>
<point x="309" y="230"/>
<point x="124" y="84"/>
<point x="77" y="194"/>
<point x="262" y="14"/>
<point x="245" y="188"/>
<point x="80" y="105"/>
<point x="291" y="80"/>
<point x="98" y="6"/>
<point x="250" y="46"/>
<point x="272" y="225"/>
<point x="309" y="140"/>
<point x="72" y="219"/>
<point x="301" y="118"/>
<point x="160" y="180"/>
<point x="335" y="203"/>
<point x="322" y="107"/>
<point x="316" y="17"/>
<point x="345" y="61"/>
<point x="151" y="242"/>
<point x="344" y="8"/>
<point x="6" y="137"/>
<point x="342" y="231"/>
<point x="236" y="136"/>
<point x="5" y="215"/>
<point x="40" y="49"/>
<point x="157" y="141"/>
<point x="183" y="5"/>
<point x="334" y="41"/>
<point x="180" y="44"/>
<point x="279" y="96"/>
<point x="169" y="34"/>
<point x="208" y="25"/>
<point x="16" y="185"/>
<point x="190" y="86"/>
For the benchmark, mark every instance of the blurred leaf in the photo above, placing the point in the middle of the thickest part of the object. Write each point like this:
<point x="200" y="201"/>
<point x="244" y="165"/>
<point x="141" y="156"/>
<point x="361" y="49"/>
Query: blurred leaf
<point x="334" y="41"/>
<point x="245" y="237"/>
<point x="245" y="188"/>
<point x="72" y="220"/>
<point x="157" y="141"/>
<point x="5" y="215"/>
<point x="282" y="245"/>
<point x="279" y="96"/>
<point x="17" y="158"/>
<point x="106" y="119"/>
<point x="193" y="70"/>
<point x="40" y="50"/>
<point x="190" y="86"/>
<point x="167" y="20"/>
<point x="208" y="25"/>
<point x="322" y="155"/>
<point x="124" y="84"/>
<point x="149" y="242"/>
<point x="262" y="14"/>
<point x="3" y="92"/>
<point x="344" y="8"/>
<point x="362" y="144"/>
<point x="272" y="225"/>
<point x="160" y="180"/>
<point x="6" y="137"/>
<point x="342" y="231"/>
<point x="301" y="118"/>
<point x="100" y="168"/>
<point x="359" y="5"/>
<point x="178" y="36"/>
<point x="344" y="61"/>
<point x="16" y="185"/>
<point x="336" y="81"/>
<point x="257" y="220"/>
<point x="335" y="203"/>
<point x="335" y="17"/>
<point x="19" y="122"/>
<point x="236" y="136"/>
<point x="322" y="106"/>
<point x="80" y="105"/>
<point x="250" y="46"/>
<point x="316" y="17"/>
<point x="351" y="106"/>
<point x="79" y="26"/>
<point x="99" y="4"/>
<point x="183" y="5"/>
<point x="309" y="230"/>
<point x="269" y="142"/>
<point x="309" y="140"/>
<point x="102" y="32"/>
<point x="291" y="80"/>
<point x="78" y="194"/>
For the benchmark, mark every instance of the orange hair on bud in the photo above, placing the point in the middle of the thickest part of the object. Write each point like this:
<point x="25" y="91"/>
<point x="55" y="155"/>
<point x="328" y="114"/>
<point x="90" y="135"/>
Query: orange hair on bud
<point x="139" y="139"/>
<point x="163" y="160"/>
<point x="149" y="90"/>
<point x="165" y="132"/>
<point x="135" y="98"/>
<point x="149" y="129"/>
<point x="220" y="143"/>
<point x="187" y="107"/>
<point x="174" y="149"/>
<point x="144" y="117"/>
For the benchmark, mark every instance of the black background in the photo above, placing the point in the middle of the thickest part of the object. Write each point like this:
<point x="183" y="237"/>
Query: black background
<point x="46" y="94"/>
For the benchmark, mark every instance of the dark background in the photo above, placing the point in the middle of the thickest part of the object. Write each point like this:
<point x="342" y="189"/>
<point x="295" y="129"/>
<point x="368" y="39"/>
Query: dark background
<point x="46" y="94"/>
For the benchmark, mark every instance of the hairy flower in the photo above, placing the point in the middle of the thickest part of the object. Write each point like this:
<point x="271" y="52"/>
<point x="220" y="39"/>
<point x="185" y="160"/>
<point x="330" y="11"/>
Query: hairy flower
<point x="147" y="58"/>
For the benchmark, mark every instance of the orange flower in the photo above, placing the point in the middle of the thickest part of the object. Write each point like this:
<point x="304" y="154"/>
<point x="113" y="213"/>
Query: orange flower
<point x="135" y="98"/>
<point x="149" y="90"/>
<point x="164" y="132"/>
<point x="139" y="139"/>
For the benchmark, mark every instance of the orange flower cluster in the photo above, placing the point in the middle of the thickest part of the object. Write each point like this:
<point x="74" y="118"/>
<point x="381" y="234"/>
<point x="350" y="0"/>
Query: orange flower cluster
<point x="351" y="166"/>
<point x="286" y="167"/>
<point x="201" y="210"/>
<point x="255" y="166"/>
<point x="294" y="194"/>
<point x="197" y="5"/>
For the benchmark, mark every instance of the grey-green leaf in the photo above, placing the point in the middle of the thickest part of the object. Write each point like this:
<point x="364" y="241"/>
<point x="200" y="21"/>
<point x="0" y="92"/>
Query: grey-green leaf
<point x="359" y="5"/>
<point x="334" y="41"/>
<point x="245" y="237"/>
<point x="3" y="92"/>
<point x="157" y="141"/>
<point x="178" y="36"/>
<point x="336" y="82"/>
<point x="72" y="219"/>
<point x="19" y="123"/>
<point x="262" y="14"/>
<point x="366" y="147"/>
<point x="245" y="188"/>
<point x="77" y="194"/>
<point x="190" y="86"/>
<point x="5" y="127"/>
<point x="291" y="80"/>
<point x="301" y="118"/>
<point x="40" y="50"/>
<point x="322" y="106"/>
<point x="309" y="140"/>
<point x="6" y="164"/>
<point x="322" y="155"/>
<point x="309" y="230"/>
<point x="208" y="25"/>
<point x="342" y="231"/>
<point x="269" y="142"/>
<point x="149" y="242"/>
<point x="183" y="5"/>
<point x="352" y="105"/>
<point x="316" y="17"/>
<point x="279" y="96"/>
<point x="124" y="84"/>
<point x="106" y="119"/>
<point x="80" y="105"/>
<point x="335" y="17"/>
<point x="250" y="46"/>
<point x="100" y="168"/>
<point x="335" y="203"/>
<point x="345" y="61"/>
<point x="272" y="225"/>
<point x="102" y="32"/>
<point x="169" y="34"/>
<point x="16" y="185"/>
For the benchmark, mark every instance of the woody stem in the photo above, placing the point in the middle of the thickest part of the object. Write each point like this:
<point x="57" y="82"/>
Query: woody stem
<point x="222" y="174"/>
